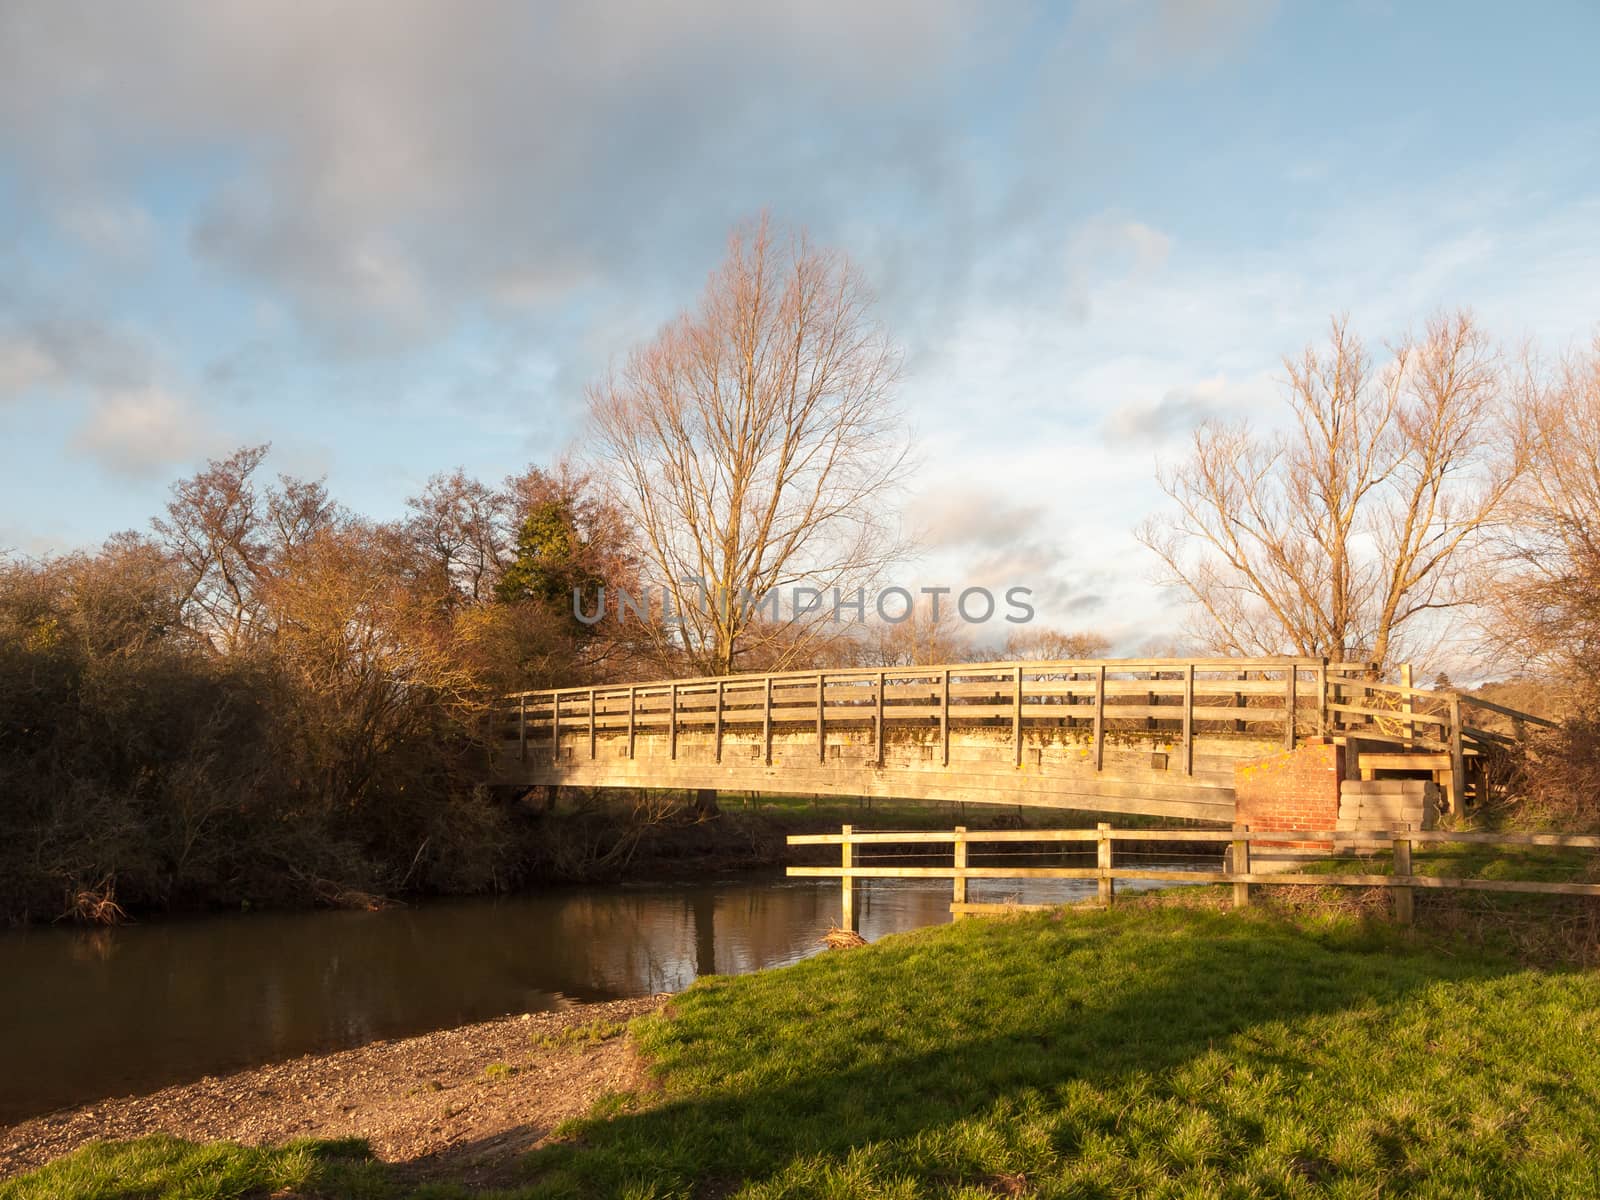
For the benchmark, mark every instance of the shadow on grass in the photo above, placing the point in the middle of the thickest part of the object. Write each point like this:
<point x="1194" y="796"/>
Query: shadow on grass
<point x="1071" y="1020"/>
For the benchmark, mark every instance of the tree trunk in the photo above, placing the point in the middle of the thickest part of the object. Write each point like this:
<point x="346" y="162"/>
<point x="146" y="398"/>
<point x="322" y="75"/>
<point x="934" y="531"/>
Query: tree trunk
<point x="705" y="802"/>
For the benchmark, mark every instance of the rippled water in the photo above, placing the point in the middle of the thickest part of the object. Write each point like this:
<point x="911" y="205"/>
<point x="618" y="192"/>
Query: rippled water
<point x="93" y="1014"/>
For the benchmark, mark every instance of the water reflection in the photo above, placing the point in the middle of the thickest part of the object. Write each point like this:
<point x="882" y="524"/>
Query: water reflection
<point x="91" y="1014"/>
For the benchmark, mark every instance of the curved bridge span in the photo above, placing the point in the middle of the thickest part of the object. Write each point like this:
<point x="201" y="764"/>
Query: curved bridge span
<point x="1155" y="737"/>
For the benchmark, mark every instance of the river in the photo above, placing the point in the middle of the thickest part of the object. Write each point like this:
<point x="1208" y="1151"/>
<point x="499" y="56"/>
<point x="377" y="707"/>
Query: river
<point x="90" y="1014"/>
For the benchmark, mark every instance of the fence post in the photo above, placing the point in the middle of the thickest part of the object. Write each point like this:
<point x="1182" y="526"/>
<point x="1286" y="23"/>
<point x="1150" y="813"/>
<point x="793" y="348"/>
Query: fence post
<point x="1404" y="909"/>
<point x="878" y="723"/>
<point x="1188" y="719"/>
<point x="822" y="737"/>
<point x="944" y="717"/>
<point x="958" y="894"/>
<point x="633" y="704"/>
<point x="718" y="733"/>
<point x="1322" y="696"/>
<point x="1458" y="759"/>
<point x="672" y="718"/>
<point x="591" y="723"/>
<point x="1108" y="886"/>
<point x="847" y="859"/>
<point x="766" y="724"/>
<point x="1016" y="717"/>
<point x="1241" y="866"/>
<point x="1099" y="716"/>
<point x="555" y="727"/>
<point x="522" y="727"/>
<point x="1291" y="701"/>
<point x="1408" y="705"/>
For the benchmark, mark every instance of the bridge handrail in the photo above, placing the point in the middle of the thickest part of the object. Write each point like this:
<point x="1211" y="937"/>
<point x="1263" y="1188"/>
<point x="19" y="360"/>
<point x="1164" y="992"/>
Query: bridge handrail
<point x="1269" y="663"/>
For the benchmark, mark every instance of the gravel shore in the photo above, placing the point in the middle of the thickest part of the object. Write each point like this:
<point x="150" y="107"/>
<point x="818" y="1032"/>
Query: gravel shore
<point x="431" y="1102"/>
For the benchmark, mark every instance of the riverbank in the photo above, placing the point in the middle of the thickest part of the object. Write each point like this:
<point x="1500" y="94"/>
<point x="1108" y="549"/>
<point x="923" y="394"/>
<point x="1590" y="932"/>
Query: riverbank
<point x="461" y="1104"/>
<point x="1165" y="1047"/>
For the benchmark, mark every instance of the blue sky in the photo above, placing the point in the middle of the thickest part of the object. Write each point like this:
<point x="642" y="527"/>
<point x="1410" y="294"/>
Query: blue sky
<point x="396" y="238"/>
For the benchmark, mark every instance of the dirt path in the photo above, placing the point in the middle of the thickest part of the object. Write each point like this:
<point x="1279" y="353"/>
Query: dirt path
<point x="429" y="1101"/>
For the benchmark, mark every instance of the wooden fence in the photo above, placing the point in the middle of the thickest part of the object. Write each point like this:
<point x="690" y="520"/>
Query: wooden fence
<point x="1237" y="870"/>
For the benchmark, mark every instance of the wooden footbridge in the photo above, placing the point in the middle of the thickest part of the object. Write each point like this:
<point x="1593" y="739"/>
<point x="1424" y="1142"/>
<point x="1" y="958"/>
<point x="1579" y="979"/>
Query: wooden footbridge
<point x="1155" y="737"/>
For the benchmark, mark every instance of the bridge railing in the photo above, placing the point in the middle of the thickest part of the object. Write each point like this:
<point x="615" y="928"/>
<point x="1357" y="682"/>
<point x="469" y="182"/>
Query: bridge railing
<point x="1171" y="700"/>
<point x="1235" y="868"/>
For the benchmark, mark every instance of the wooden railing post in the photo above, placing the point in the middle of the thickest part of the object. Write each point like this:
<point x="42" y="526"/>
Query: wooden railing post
<point x="766" y="724"/>
<point x="633" y="704"/>
<point x="1241" y="866"/>
<point x="1458" y="759"/>
<point x="822" y="736"/>
<point x="555" y="727"/>
<point x="847" y="859"/>
<point x="944" y="717"/>
<point x="1291" y="701"/>
<point x="1404" y="911"/>
<point x="958" y="894"/>
<point x="522" y="727"/>
<point x="718" y="728"/>
<point x="878" y="721"/>
<point x="1099" y="717"/>
<point x="591" y="723"/>
<point x="1322" y="697"/>
<point x="1188" y="719"/>
<point x="672" y="721"/>
<point x="1108" y="886"/>
<point x="1016" y="718"/>
<point x="1408" y="705"/>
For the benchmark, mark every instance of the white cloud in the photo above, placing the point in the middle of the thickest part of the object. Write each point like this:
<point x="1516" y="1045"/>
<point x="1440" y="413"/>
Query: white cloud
<point x="24" y="364"/>
<point x="141" y="432"/>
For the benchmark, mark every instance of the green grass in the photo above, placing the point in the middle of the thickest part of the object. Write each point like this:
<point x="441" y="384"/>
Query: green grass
<point x="590" y="1033"/>
<point x="1158" y="1049"/>
<point x="177" y="1170"/>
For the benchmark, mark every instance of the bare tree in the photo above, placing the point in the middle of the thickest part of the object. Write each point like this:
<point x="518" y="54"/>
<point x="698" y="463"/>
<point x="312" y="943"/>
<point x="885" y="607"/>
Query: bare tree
<point x="1546" y="607"/>
<point x="1336" y="536"/>
<point x="1044" y="644"/>
<point x="754" y="444"/>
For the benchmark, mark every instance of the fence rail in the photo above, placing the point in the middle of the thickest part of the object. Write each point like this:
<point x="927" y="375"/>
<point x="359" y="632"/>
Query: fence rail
<point x="1400" y="880"/>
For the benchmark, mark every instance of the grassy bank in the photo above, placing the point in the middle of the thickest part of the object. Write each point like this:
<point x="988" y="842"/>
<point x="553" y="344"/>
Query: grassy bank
<point x="1160" y="1049"/>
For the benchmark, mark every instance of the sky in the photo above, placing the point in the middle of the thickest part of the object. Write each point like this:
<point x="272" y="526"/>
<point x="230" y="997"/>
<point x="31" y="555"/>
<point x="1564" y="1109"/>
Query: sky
<point x="394" y="238"/>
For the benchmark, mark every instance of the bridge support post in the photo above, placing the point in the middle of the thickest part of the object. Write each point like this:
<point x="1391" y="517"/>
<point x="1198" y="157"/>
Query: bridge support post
<point x="1108" y="886"/>
<point x="1241" y="866"/>
<point x="847" y="904"/>
<point x="958" y="893"/>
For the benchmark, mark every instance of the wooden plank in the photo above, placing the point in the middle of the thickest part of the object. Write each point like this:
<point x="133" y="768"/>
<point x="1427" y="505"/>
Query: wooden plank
<point x="913" y="837"/>
<point x="1390" y="714"/>
<point x="998" y="909"/>
<point x="1402" y="762"/>
<point x="1514" y="714"/>
<point x="893" y="872"/>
